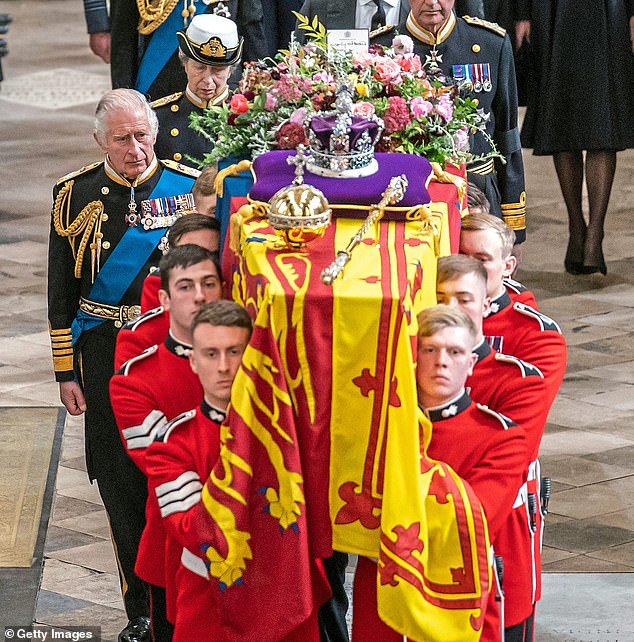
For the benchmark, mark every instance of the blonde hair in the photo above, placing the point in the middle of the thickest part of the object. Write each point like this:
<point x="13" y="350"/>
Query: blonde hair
<point x="478" y="222"/>
<point x="438" y="317"/>
<point x="456" y="265"/>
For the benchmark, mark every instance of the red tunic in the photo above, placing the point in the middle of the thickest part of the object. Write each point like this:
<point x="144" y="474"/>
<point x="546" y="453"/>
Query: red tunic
<point x="518" y="292"/>
<point x="490" y="453"/>
<point x="149" y="293"/>
<point x="146" y="393"/>
<point x="149" y="329"/>
<point x="521" y="331"/>
<point x="517" y="390"/>
<point x="179" y="463"/>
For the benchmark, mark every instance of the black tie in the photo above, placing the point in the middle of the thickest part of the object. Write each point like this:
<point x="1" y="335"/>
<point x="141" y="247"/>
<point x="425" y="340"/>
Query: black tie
<point x="378" y="19"/>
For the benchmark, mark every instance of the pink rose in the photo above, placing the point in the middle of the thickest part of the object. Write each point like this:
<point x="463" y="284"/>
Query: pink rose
<point x="362" y="59"/>
<point x="363" y="109"/>
<point x="420" y="107"/>
<point x="298" y="116"/>
<point x="444" y="108"/>
<point x="388" y="71"/>
<point x="239" y="104"/>
<point x="403" y="44"/>
<point x="270" y="103"/>
<point x="461" y="139"/>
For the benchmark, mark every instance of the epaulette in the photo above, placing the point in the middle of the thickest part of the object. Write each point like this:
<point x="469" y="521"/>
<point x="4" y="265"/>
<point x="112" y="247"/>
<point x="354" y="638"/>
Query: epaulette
<point x="545" y="323"/>
<point x="491" y="26"/>
<point x="83" y="170"/>
<point x="505" y="421"/>
<point x="514" y="285"/>
<point x="133" y="324"/>
<point x="180" y="168"/>
<point x="165" y="432"/>
<point x="381" y="30"/>
<point x="166" y="100"/>
<point x="527" y="369"/>
<point x="125" y="368"/>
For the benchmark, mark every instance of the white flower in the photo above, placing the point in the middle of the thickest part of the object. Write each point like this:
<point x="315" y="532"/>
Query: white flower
<point x="402" y="44"/>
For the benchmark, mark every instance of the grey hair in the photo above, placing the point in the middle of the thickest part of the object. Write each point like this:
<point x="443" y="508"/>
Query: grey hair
<point x="116" y="99"/>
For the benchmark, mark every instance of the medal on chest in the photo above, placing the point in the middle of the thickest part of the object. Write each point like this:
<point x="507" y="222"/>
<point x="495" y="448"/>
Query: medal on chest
<point x="475" y="77"/>
<point x="132" y="218"/>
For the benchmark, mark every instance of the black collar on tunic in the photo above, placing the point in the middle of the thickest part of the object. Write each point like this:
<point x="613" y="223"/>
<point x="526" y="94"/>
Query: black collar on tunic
<point x="212" y="413"/>
<point x="482" y="350"/>
<point x="499" y="303"/>
<point x="450" y="409"/>
<point x="177" y="347"/>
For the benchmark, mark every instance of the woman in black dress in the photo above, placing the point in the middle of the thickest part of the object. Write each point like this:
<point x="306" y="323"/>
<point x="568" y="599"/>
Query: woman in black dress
<point x="581" y="99"/>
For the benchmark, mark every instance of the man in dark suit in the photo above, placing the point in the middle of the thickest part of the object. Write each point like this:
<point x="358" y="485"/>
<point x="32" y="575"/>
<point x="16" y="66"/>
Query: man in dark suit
<point x="356" y="14"/>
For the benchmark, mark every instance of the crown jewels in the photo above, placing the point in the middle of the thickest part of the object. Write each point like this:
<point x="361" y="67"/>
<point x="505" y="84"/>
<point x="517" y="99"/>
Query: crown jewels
<point x="342" y="143"/>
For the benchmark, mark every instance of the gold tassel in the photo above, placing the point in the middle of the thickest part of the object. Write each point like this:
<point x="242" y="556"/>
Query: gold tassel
<point x="232" y="170"/>
<point x="445" y="177"/>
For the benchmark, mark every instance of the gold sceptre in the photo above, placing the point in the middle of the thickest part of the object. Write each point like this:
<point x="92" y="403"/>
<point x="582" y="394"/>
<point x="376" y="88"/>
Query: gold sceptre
<point x="393" y="194"/>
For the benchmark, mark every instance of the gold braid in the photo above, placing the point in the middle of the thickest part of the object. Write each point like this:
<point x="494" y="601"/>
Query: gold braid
<point x="153" y="13"/>
<point x="85" y="222"/>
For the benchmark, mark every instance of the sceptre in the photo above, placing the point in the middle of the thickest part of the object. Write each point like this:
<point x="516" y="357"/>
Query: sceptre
<point x="392" y="194"/>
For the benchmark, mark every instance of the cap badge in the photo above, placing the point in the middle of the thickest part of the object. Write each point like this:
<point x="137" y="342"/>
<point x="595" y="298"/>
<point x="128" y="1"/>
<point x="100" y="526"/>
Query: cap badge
<point x="214" y="48"/>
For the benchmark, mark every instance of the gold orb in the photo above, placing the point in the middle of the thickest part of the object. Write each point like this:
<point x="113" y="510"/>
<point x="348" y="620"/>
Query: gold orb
<point x="299" y="214"/>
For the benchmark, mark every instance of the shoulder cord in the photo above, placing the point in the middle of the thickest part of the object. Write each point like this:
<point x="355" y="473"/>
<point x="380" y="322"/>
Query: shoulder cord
<point x="86" y="222"/>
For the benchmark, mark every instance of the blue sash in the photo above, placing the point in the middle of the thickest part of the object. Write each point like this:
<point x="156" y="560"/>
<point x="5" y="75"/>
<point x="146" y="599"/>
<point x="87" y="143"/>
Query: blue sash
<point x="129" y="256"/>
<point x="162" y="45"/>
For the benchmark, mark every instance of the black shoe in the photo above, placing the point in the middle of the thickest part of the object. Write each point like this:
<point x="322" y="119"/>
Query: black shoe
<point x="138" y="630"/>
<point x="573" y="261"/>
<point x="594" y="269"/>
<point x="574" y="267"/>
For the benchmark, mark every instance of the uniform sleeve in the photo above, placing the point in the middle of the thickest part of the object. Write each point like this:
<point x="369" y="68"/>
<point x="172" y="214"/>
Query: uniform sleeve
<point x="522" y="399"/>
<point x="177" y="485"/>
<point x="250" y="21"/>
<point x="96" y="14"/>
<point x="138" y="418"/>
<point x="498" y="476"/>
<point x="546" y="350"/>
<point x="507" y="138"/>
<point x="63" y="301"/>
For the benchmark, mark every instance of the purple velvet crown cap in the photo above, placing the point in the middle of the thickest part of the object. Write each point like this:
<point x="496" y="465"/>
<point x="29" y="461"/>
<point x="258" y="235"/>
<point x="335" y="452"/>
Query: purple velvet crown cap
<point x="323" y="127"/>
<point x="272" y="173"/>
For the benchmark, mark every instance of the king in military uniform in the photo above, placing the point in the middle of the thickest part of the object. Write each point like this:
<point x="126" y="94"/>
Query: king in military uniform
<point x="107" y="222"/>
<point x="478" y="56"/>
<point x="208" y="49"/>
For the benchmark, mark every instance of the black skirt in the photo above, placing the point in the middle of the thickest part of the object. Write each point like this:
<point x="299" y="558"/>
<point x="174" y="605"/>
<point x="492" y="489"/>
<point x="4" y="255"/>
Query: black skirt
<point x="581" y="89"/>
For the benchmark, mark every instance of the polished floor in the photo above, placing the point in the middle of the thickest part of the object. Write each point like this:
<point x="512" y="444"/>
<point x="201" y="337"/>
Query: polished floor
<point x="46" y="103"/>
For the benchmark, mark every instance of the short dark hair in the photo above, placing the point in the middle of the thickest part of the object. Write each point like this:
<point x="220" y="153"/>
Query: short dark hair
<point x="191" y="223"/>
<point x="455" y="265"/>
<point x="223" y="313"/>
<point x="183" y="256"/>
<point x="476" y="199"/>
